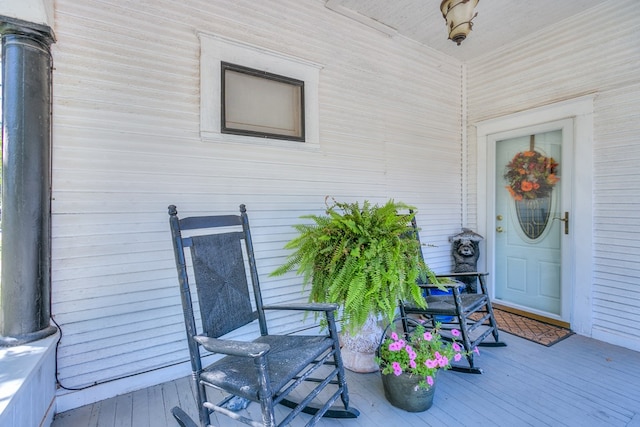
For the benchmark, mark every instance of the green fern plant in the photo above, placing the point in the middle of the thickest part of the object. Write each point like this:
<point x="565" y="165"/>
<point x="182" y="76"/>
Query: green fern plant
<point x="362" y="257"/>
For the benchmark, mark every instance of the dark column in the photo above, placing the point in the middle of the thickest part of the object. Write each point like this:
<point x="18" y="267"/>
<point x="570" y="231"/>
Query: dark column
<point x="26" y="182"/>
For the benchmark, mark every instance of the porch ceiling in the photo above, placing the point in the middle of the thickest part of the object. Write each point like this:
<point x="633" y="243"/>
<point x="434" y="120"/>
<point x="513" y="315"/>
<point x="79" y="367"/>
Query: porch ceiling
<point x="498" y="22"/>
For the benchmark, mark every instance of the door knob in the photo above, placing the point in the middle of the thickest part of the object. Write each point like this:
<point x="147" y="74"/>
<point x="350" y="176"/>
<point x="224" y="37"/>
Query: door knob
<point x="566" y="222"/>
<point x="499" y="229"/>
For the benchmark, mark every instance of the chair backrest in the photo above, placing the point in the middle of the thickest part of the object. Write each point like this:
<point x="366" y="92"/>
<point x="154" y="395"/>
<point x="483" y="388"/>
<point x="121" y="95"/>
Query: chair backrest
<point x="414" y="233"/>
<point x="221" y="255"/>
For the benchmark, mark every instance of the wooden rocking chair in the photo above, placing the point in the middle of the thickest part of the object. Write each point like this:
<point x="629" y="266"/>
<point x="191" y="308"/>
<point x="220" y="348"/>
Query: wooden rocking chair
<point x="270" y="368"/>
<point x="470" y="313"/>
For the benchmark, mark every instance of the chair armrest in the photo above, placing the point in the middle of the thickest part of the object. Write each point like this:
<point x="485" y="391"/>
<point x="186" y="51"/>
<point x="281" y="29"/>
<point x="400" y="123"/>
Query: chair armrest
<point x="233" y="348"/>
<point x="441" y="285"/>
<point x="304" y="306"/>
<point x="470" y="273"/>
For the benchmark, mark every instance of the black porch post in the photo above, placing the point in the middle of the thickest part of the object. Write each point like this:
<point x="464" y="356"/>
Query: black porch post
<point x="26" y="181"/>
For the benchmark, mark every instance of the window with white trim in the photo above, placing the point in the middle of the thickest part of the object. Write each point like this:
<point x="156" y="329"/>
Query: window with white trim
<point x="294" y="96"/>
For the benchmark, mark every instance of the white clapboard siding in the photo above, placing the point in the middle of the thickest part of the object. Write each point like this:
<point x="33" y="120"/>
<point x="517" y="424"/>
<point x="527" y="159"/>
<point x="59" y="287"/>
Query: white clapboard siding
<point x="616" y="300"/>
<point x="591" y="52"/>
<point x="126" y="144"/>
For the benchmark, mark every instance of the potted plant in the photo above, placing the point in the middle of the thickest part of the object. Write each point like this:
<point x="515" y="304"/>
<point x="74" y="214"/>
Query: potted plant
<point x="410" y="363"/>
<point x="361" y="257"/>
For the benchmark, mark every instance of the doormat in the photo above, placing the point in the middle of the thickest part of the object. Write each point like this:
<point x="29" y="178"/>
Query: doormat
<point x="530" y="329"/>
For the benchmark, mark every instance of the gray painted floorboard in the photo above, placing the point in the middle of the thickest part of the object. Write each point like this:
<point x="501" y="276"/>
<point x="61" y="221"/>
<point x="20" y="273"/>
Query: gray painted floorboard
<point x="577" y="382"/>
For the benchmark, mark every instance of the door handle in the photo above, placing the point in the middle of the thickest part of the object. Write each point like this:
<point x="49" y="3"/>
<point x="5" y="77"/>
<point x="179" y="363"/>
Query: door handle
<point x="566" y="222"/>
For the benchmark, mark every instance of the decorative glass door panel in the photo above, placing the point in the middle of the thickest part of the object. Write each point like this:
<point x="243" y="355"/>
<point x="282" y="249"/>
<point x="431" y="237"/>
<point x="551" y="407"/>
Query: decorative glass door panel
<point x="528" y="223"/>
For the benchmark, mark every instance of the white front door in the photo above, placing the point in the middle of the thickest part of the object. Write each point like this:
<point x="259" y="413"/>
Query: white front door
<point x="574" y="118"/>
<point x="532" y="218"/>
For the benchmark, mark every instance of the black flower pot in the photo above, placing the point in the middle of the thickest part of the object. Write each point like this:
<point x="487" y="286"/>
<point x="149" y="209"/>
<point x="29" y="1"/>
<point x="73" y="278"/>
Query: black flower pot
<point x="403" y="392"/>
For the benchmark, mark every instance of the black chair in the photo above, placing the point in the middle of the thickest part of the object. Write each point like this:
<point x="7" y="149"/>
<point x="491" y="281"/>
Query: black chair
<point x="270" y="370"/>
<point x="470" y="313"/>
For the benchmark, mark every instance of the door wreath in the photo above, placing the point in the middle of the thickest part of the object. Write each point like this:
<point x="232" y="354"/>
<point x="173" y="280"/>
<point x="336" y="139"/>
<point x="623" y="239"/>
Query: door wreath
<point x="531" y="177"/>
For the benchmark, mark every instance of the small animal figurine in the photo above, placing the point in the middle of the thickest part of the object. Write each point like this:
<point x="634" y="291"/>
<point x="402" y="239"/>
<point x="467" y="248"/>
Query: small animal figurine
<point x="465" y="251"/>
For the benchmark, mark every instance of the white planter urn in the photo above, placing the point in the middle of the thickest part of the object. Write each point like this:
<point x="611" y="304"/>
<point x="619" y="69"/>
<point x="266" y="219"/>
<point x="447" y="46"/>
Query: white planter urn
<point x="359" y="350"/>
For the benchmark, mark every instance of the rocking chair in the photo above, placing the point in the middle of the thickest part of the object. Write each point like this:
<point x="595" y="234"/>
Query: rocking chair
<point x="470" y="313"/>
<point x="270" y="368"/>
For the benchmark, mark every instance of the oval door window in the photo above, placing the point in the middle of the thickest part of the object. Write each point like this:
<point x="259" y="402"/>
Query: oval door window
<point x="533" y="215"/>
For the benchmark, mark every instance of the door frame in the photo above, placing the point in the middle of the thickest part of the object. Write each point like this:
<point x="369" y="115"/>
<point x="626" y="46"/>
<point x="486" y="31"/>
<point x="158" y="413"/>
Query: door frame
<point x="579" y="260"/>
<point x="564" y="205"/>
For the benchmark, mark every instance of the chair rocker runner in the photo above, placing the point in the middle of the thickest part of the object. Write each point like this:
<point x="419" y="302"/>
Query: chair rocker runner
<point x="272" y="369"/>
<point x="471" y="313"/>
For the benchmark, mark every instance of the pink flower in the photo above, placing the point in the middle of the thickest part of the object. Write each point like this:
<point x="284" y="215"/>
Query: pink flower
<point x="397" y="369"/>
<point x="412" y="354"/>
<point x="430" y="363"/>
<point x="394" y="336"/>
<point x="443" y="362"/>
<point x="397" y="346"/>
<point x="456" y="346"/>
<point x="457" y="357"/>
<point x="427" y="336"/>
<point x="455" y="332"/>
<point x="412" y="364"/>
<point x="430" y="380"/>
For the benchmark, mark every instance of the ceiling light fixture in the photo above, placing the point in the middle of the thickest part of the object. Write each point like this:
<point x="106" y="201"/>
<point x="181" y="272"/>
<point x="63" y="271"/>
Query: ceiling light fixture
<point x="458" y="14"/>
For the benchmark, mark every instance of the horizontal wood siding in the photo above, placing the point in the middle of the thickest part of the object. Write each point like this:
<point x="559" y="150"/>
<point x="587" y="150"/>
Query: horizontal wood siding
<point x="126" y="144"/>
<point x="616" y="290"/>
<point x="593" y="52"/>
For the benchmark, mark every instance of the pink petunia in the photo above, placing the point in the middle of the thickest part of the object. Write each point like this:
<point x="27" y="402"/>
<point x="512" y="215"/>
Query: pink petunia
<point x="410" y="352"/>
<point x="457" y="357"/>
<point x="456" y="346"/>
<point x="455" y="332"/>
<point x="430" y="363"/>
<point x="394" y="336"/>
<point x="430" y="380"/>
<point x="427" y="336"/>
<point x="443" y="362"/>
<point x="397" y="369"/>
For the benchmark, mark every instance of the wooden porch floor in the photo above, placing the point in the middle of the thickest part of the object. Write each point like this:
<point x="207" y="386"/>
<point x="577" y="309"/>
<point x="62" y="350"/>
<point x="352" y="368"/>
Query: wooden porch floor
<point x="577" y="382"/>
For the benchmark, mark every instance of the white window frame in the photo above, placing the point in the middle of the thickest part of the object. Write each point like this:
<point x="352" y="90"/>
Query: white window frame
<point x="215" y="49"/>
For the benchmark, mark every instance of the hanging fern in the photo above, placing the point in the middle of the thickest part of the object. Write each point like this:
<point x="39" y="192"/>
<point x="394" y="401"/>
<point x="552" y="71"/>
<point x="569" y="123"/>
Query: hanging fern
<point x="362" y="257"/>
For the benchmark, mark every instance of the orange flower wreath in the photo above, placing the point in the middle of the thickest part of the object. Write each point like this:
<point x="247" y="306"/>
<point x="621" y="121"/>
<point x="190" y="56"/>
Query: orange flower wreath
<point x="531" y="175"/>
